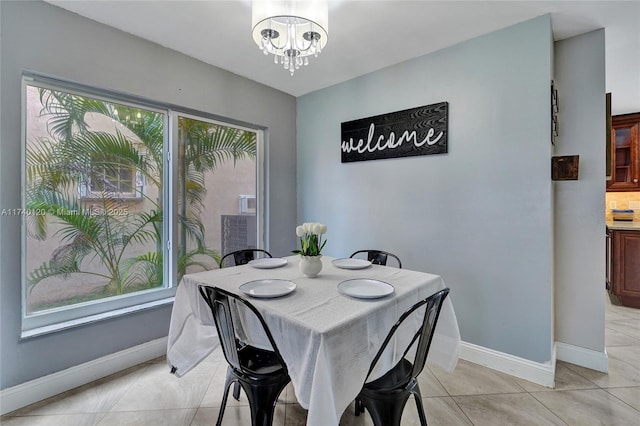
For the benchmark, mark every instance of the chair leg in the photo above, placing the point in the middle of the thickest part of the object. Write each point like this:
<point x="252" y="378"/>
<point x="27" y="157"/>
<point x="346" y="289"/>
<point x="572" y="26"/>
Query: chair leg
<point x="262" y="400"/>
<point x="423" y="418"/>
<point x="386" y="411"/>
<point x="227" y="384"/>
<point x="236" y="391"/>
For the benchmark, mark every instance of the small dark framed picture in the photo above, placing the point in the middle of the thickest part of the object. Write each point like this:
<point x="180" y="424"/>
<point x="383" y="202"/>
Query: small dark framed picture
<point x="565" y="167"/>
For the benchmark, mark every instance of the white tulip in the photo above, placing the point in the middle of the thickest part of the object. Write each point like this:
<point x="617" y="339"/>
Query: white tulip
<point x="299" y="231"/>
<point x="317" y="227"/>
<point x="307" y="227"/>
<point x="323" y="229"/>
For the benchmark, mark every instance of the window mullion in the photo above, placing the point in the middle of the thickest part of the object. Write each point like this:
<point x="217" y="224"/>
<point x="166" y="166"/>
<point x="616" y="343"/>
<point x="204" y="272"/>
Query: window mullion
<point x="170" y="201"/>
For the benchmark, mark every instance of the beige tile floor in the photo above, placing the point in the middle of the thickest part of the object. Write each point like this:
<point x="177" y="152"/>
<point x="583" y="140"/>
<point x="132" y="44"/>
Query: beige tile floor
<point x="471" y="395"/>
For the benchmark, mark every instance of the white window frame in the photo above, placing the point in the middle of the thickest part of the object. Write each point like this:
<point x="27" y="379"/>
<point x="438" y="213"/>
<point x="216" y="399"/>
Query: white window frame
<point x="62" y="318"/>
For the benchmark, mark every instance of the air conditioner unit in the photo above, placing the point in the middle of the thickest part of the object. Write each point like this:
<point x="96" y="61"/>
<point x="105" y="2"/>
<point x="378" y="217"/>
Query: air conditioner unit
<point x="247" y="204"/>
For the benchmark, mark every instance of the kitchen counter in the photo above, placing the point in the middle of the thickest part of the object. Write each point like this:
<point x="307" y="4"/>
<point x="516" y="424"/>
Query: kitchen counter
<point x="623" y="225"/>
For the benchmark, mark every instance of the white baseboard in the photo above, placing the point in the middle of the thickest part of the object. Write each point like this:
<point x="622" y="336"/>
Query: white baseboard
<point x="44" y="387"/>
<point x="47" y="386"/>
<point x="540" y="373"/>
<point x="583" y="357"/>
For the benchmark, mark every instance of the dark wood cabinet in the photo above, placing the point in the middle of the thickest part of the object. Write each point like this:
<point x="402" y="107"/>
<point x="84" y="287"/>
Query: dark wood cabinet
<point x="608" y="262"/>
<point x="625" y="153"/>
<point x="623" y="266"/>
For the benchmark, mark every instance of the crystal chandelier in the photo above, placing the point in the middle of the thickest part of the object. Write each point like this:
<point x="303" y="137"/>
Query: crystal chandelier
<point x="290" y="30"/>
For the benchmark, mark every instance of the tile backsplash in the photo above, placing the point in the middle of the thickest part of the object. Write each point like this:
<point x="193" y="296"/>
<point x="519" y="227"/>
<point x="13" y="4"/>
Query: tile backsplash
<point x="623" y="201"/>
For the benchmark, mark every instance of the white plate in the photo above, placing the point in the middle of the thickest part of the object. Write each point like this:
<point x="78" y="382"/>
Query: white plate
<point x="267" y="288"/>
<point x="350" y="263"/>
<point x="365" y="288"/>
<point x="268" y="262"/>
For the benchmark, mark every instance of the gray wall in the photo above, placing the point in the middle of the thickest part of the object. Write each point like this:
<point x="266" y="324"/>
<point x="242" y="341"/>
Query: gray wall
<point x="580" y="227"/>
<point x="481" y="215"/>
<point x="43" y="38"/>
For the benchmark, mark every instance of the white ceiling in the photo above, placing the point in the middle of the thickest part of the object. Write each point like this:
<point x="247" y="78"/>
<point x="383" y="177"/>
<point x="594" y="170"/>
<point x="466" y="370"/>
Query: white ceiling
<point x="368" y="35"/>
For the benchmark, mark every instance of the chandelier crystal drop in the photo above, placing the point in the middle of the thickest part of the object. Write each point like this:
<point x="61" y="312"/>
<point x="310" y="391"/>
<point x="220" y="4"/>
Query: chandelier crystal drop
<point x="290" y="30"/>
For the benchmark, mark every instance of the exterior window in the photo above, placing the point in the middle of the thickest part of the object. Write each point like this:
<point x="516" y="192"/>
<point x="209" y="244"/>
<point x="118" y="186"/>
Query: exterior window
<point x="100" y="206"/>
<point x="117" y="180"/>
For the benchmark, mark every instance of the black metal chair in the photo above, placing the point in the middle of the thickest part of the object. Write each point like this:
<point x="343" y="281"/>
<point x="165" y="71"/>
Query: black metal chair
<point x="242" y="257"/>
<point x="261" y="373"/>
<point x="378" y="257"/>
<point x="385" y="397"/>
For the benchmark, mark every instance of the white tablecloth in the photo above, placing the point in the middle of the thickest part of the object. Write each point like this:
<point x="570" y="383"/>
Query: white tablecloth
<point x="327" y="340"/>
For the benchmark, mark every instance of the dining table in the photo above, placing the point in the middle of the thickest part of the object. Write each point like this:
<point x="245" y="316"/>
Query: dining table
<point x="327" y="332"/>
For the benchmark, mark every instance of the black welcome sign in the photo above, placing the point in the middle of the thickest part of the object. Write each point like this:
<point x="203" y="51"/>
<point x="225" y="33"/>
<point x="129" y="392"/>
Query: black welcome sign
<point x="415" y="131"/>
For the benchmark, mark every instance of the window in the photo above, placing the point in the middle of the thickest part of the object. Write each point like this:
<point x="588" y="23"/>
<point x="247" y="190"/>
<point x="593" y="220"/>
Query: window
<point x="107" y="227"/>
<point x="119" y="181"/>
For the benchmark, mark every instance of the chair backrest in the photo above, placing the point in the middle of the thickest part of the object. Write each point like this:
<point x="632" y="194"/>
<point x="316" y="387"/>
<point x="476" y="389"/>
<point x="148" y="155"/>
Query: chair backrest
<point x="242" y="257"/>
<point x="424" y="334"/>
<point x="222" y="306"/>
<point x="378" y="257"/>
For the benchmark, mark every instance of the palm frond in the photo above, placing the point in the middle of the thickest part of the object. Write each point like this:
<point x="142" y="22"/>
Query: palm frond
<point x="194" y="191"/>
<point x="190" y="259"/>
<point x="205" y="150"/>
<point x="48" y="270"/>
<point x="67" y="112"/>
<point x="51" y="165"/>
<point x="136" y="228"/>
<point x="54" y="269"/>
<point x="145" y="269"/>
<point x="193" y="228"/>
<point x="148" y="126"/>
<point x="112" y="150"/>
